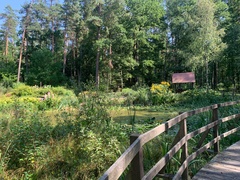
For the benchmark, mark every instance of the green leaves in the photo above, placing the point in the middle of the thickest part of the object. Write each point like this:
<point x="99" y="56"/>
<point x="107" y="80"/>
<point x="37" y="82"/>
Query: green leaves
<point x="44" y="69"/>
<point x="102" y="39"/>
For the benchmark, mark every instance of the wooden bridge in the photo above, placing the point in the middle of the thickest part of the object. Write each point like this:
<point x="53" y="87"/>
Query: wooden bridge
<point x="226" y="165"/>
<point x="133" y="156"/>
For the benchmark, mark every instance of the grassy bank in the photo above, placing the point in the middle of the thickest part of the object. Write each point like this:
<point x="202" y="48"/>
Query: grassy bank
<point x="78" y="136"/>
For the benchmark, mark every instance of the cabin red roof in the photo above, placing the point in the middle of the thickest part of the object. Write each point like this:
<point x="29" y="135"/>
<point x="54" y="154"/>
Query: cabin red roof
<point x="188" y="77"/>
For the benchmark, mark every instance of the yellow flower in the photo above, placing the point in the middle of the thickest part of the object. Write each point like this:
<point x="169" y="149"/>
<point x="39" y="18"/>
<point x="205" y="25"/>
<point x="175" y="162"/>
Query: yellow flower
<point x="165" y="83"/>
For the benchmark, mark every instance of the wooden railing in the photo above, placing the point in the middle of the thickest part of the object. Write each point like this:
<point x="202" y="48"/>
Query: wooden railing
<point x="134" y="153"/>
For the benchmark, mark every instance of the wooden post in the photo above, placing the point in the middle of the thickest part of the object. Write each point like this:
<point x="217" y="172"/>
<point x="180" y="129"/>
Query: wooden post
<point x="137" y="171"/>
<point x="184" y="155"/>
<point x="215" y="129"/>
<point x="181" y="133"/>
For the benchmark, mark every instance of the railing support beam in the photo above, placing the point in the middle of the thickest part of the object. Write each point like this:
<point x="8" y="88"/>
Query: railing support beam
<point x="137" y="171"/>
<point x="184" y="155"/>
<point x="215" y="129"/>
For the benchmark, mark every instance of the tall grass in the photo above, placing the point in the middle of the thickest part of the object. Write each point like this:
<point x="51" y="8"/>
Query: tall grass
<point x="72" y="136"/>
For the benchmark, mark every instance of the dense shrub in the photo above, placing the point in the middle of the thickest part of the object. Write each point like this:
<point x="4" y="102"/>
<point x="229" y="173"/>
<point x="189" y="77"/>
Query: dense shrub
<point x="202" y="97"/>
<point x="69" y="137"/>
<point x="61" y="91"/>
<point x="21" y="89"/>
<point x="76" y="144"/>
<point x="5" y="102"/>
<point x="143" y="96"/>
<point x="139" y="96"/>
<point x="162" y="94"/>
<point x="8" y="80"/>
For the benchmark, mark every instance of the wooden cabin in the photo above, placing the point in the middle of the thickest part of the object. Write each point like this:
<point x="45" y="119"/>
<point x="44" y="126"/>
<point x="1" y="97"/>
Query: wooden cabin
<point x="186" y="78"/>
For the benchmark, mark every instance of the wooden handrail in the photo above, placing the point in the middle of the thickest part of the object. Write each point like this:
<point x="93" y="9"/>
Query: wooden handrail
<point x="133" y="154"/>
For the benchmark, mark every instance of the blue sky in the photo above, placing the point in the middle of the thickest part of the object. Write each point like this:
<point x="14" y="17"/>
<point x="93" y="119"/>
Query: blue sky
<point x="15" y="4"/>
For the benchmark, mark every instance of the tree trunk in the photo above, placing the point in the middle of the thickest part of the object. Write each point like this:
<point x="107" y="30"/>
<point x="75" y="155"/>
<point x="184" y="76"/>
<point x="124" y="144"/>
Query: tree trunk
<point x="79" y="68"/>
<point x="207" y="81"/>
<point x="20" y="56"/>
<point x="74" y="58"/>
<point x="26" y="56"/>
<point x="98" y="51"/>
<point x="110" y="55"/>
<point x="215" y="78"/>
<point x="53" y="40"/>
<point x="97" y="67"/>
<point x="121" y="76"/>
<point x="76" y="54"/>
<point x="65" y="53"/>
<point x="52" y="33"/>
<point x="110" y="67"/>
<point x="136" y="57"/>
<point x="6" y="48"/>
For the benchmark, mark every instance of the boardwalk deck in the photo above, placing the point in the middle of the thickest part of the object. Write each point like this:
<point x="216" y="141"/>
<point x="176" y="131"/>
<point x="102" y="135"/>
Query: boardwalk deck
<point x="224" y="166"/>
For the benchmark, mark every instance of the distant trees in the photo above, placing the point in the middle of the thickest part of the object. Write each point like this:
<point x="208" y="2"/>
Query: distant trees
<point x="230" y="64"/>
<point x="120" y="43"/>
<point x="207" y="44"/>
<point x="196" y="36"/>
<point x="8" y="28"/>
<point x="8" y="36"/>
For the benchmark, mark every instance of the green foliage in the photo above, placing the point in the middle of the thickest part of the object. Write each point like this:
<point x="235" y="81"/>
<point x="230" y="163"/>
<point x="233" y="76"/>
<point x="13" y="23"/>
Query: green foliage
<point x="93" y="110"/>
<point x="126" y="42"/>
<point x="58" y="97"/>
<point x="48" y="104"/>
<point x="74" y="143"/>
<point x="143" y="96"/>
<point x="200" y="97"/>
<point x="21" y="89"/>
<point x="134" y="41"/>
<point x="5" y="102"/>
<point x="162" y="94"/>
<point x="26" y="137"/>
<point x="140" y="96"/>
<point x="75" y="137"/>
<point x="8" y="80"/>
<point x="44" y="69"/>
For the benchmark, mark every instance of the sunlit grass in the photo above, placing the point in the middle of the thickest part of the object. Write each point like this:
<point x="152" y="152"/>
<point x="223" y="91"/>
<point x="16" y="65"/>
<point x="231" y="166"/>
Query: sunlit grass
<point x="79" y="137"/>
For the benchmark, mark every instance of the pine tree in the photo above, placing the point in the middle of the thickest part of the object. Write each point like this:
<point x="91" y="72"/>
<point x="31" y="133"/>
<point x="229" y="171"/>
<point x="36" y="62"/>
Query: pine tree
<point x="26" y="20"/>
<point x="8" y="28"/>
<point x="144" y="25"/>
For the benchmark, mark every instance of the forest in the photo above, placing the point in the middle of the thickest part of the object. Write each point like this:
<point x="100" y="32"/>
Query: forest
<point x="77" y="78"/>
<point x="120" y="43"/>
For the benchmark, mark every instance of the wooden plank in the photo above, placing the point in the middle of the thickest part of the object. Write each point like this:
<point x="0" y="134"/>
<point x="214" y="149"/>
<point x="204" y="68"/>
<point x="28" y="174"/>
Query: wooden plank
<point x="163" y="161"/>
<point x="225" y="119"/>
<point x="203" y="137"/>
<point x="165" y="176"/>
<point x="215" y="129"/>
<point x="201" y="150"/>
<point x="125" y="159"/>
<point x="193" y="156"/>
<point x="184" y="155"/>
<point x="225" y="165"/>
<point x="170" y="123"/>
<point x="149" y="135"/>
<point x="229" y="103"/>
<point x="137" y="170"/>
<point x="115" y="171"/>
